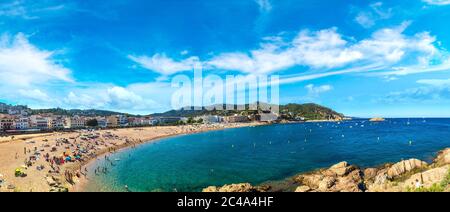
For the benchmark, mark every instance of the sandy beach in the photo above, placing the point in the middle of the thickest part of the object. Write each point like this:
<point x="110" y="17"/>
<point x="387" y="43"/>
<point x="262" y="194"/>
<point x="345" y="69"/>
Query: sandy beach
<point x="55" y="161"/>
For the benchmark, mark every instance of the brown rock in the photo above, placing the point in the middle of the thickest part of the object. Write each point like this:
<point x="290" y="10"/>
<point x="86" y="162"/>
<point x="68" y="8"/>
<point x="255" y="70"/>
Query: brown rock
<point x="353" y="182"/>
<point x="405" y="166"/>
<point x="341" y="169"/>
<point x="428" y="178"/>
<point x="312" y="180"/>
<point x="326" y="183"/>
<point x="443" y="157"/>
<point x="243" y="187"/>
<point x="211" y="189"/>
<point x="370" y="174"/>
<point x="303" y="189"/>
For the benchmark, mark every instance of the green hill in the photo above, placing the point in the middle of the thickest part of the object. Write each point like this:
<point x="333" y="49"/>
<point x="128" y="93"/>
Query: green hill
<point x="289" y="111"/>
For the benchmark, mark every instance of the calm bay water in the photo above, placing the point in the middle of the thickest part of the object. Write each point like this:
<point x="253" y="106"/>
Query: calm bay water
<point x="266" y="153"/>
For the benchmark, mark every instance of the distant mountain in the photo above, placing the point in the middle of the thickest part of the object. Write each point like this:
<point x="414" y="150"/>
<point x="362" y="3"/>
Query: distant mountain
<point x="309" y="111"/>
<point x="289" y="111"/>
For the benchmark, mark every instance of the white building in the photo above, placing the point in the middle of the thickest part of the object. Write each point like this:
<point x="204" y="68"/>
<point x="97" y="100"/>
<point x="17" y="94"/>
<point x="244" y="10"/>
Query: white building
<point x="123" y="120"/>
<point x="55" y="122"/>
<point x="210" y="119"/>
<point x="38" y="122"/>
<point x="75" y="122"/>
<point x="102" y="122"/>
<point x="22" y="123"/>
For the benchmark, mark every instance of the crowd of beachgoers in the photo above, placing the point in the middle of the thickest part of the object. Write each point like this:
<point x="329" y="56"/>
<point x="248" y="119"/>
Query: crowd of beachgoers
<point x="57" y="161"/>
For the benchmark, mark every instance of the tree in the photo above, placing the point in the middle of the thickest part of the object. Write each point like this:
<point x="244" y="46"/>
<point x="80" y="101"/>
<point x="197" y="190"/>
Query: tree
<point x="92" y="123"/>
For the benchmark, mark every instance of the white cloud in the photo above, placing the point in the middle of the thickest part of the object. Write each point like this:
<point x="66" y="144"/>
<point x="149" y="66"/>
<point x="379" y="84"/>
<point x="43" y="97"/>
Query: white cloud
<point x="184" y="52"/>
<point x="435" y="82"/>
<point x="437" y="2"/>
<point x="317" y="50"/>
<point x="264" y="5"/>
<point x="367" y="18"/>
<point x="326" y="49"/>
<point x="138" y="98"/>
<point x="35" y="94"/>
<point x="39" y="66"/>
<point x="24" y="65"/>
<point x="431" y="91"/>
<point x="416" y="69"/>
<point x="164" y="65"/>
<point x="315" y="91"/>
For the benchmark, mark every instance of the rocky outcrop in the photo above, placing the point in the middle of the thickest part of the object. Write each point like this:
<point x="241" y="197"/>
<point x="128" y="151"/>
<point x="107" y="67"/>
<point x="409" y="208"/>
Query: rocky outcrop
<point x="303" y="189"/>
<point x="443" y="157"/>
<point x="405" y="166"/>
<point x="428" y="178"/>
<point x="242" y="187"/>
<point x="370" y="174"/>
<point x="407" y="175"/>
<point x="341" y="177"/>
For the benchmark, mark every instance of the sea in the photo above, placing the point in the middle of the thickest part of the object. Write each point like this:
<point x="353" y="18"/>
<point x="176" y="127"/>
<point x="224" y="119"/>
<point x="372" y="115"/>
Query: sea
<point x="263" y="154"/>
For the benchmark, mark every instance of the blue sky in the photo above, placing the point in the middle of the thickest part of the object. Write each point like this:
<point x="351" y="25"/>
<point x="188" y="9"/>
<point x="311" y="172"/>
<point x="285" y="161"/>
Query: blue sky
<point x="362" y="58"/>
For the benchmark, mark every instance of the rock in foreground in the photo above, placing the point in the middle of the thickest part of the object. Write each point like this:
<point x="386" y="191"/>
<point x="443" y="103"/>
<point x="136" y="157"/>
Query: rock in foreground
<point x="407" y="175"/>
<point x="243" y="187"/>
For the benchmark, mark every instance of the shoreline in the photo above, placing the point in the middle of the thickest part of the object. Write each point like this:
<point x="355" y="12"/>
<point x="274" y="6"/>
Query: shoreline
<point x="82" y="182"/>
<point x="69" y="176"/>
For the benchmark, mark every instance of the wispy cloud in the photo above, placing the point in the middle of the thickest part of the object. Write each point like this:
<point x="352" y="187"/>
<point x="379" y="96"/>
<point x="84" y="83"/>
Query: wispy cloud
<point x="164" y="65"/>
<point x="325" y="52"/>
<point x="29" y="10"/>
<point x="367" y="18"/>
<point x="315" y="91"/>
<point x="437" y="2"/>
<point x="23" y="64"/>
<point x="430" y="91"/>
<point x="264" y="5"/>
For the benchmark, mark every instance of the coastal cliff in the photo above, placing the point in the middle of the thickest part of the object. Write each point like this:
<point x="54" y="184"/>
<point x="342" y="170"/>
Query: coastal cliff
<point x="405" y="176"/>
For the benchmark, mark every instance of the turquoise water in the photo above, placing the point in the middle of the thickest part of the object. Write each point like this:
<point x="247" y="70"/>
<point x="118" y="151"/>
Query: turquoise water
<point x="267" y="153"/>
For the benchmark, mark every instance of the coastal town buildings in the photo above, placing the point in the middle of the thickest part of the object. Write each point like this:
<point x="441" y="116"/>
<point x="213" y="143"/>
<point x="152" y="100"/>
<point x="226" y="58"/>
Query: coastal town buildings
<point x="39" y="122"/>
<point x="236" y="119"/>
<point x="6" y="122"/>
<point x="21" y="123"/>
<point x="75" y="122"/>
<point x="123" y="120"/>
<point x="267" y="117"/>
<point x="142" y="121"/>
<point x="168" y="120"/>
<point x="112" y="121"/>
<point x="55" y="122"/>
<point x="102" y="122"/>
<point x="210" y="119"/>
